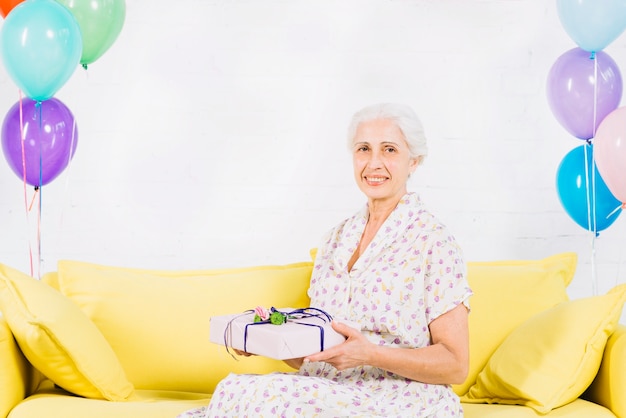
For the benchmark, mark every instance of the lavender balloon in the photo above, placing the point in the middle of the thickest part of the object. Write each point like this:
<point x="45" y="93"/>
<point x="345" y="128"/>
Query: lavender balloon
<point x="577" y="101"/>
<point x="50" y="137"/>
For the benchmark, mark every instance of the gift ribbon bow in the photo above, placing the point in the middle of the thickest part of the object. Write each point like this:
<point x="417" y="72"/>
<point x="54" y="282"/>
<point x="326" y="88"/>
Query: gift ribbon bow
<point x="291" y="316"/>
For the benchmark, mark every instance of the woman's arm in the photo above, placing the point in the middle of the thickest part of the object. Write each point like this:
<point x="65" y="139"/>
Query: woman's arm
<point x="445" y="361"/>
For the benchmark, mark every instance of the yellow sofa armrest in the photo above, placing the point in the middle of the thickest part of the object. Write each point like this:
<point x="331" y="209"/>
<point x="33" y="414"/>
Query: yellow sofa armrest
<point x="609" y="386"/>
<point x="18" y="378"/>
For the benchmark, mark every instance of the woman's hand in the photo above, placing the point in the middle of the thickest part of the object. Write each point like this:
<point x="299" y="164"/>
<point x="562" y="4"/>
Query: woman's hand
<point x="355" y="351"/>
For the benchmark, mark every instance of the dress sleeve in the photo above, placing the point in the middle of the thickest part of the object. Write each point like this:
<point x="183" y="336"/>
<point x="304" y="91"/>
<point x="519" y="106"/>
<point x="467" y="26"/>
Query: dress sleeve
<point x="445" y="281"/>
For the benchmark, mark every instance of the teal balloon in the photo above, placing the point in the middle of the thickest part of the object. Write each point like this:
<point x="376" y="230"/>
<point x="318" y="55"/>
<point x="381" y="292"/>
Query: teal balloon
<point x="592" y="24"/>
<point x="41" y="46"/>
<point x="574" y="187"/>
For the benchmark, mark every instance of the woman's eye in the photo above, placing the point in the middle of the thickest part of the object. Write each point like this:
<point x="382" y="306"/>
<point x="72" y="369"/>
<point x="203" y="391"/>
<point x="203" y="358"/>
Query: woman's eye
<point x="390" y="149"/>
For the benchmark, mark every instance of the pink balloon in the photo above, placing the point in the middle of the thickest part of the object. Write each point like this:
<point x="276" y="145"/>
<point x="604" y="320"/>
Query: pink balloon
<point x="610" y="152"/>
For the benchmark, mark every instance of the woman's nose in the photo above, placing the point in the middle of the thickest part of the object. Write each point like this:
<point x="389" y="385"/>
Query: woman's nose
<point x="375" y="160"/>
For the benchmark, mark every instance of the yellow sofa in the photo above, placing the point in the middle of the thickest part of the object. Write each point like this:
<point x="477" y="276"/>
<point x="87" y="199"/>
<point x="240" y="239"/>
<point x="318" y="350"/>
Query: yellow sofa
<point x="100" y="342"/>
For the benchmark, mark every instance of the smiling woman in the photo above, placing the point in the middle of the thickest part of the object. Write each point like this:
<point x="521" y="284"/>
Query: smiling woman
<point x="395" y="271"/>
<point x="388" y="143"/>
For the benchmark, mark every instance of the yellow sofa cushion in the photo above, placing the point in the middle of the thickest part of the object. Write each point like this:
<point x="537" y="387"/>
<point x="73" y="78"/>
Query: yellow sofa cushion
<point x="580" y="408"/>
<point x="51" y="402"/>
<point x="14" y="374"/>
<point x="551" y="358"/>
<point x="507" y="293"/>
<point x="157" y="322"/>
<point x="59" y="340"/>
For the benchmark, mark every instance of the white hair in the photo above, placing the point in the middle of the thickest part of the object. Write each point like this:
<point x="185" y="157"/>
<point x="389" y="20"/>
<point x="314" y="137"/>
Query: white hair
<point x="404" y="118"/>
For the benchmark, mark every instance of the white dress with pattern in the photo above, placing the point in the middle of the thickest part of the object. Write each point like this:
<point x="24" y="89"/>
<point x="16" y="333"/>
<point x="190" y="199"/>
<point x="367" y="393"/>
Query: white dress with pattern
<point x="411" y="273"/>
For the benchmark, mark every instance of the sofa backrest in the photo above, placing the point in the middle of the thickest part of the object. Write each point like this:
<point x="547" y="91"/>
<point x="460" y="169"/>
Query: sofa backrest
<point x="157" y="322"/>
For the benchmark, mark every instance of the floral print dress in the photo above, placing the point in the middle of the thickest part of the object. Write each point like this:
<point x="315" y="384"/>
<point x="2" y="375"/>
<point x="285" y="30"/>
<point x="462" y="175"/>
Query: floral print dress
<point x="411" y="273"/>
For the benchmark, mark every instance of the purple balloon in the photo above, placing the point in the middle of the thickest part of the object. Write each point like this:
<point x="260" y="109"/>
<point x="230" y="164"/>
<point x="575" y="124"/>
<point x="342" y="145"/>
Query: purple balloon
<point x="50" y="137"/>
<point x="573" y="93"/>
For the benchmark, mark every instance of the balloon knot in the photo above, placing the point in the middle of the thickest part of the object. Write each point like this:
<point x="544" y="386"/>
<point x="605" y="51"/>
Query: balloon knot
<point x="85" y="66"/>
<point x="593" y="55"/>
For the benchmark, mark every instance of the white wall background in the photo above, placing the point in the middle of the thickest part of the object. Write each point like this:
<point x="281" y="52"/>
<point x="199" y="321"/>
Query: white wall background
<point x="212" y="134"/>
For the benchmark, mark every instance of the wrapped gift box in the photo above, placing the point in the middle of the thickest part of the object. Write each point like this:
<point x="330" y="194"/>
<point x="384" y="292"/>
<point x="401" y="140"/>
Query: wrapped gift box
<point x="298" y="337"/>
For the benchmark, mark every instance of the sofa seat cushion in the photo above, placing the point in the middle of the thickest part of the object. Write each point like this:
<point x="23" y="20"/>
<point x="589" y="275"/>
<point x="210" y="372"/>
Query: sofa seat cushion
<point x="507" y="293"/>
<point x="157" y="322"/>
<point x="51" y="402"/>
<point x="59" y="340"/>
<point x="577" y="409"/>
<point x="551" y="359"/>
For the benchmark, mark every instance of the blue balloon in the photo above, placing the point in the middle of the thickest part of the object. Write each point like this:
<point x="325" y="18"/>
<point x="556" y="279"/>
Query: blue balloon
<point x="41" y="46"/>
<point x="592" y="24"/>
<point x="574" y="187"/>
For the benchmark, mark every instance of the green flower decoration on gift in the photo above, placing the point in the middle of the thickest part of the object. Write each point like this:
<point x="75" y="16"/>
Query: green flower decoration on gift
<point x="278" y="318"/>
<point x="272" y="316"/>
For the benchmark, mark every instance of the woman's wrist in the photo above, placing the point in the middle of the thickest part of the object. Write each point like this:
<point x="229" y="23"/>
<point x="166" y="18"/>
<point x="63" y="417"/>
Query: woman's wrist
<point x="373" y="354"/>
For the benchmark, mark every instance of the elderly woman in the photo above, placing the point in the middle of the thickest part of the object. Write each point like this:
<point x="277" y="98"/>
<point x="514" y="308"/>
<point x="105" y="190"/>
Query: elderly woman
<point x="394" y="269"/>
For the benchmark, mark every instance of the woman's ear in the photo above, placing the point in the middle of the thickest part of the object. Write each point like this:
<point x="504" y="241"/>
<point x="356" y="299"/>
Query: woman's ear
<point x="415" y="162"/>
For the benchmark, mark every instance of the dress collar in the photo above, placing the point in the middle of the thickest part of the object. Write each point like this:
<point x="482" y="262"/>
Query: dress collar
<point x="393" y="228"/>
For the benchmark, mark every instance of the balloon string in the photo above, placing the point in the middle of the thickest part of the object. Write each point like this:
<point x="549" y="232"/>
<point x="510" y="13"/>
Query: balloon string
<point x="27" y="207"/>
<point x="594" y="278"/>
<point x="594" y="57"/>
<point x="594" y="275"/>
<point x="39" y="235"/>
<point x="37" y="196"/>
<point x="32" y="202"/>
<point x="593" y="193"/>
<point x="591" y="209"/>
<point x="621" y="261"/>
<point x="39" y="210"/>
<point x="593" y="160"/>
<point x="587" y="194"/>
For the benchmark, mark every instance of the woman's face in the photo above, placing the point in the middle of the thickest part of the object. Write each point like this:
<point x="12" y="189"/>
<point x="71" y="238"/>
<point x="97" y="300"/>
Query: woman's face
<point x="381" y="160"/>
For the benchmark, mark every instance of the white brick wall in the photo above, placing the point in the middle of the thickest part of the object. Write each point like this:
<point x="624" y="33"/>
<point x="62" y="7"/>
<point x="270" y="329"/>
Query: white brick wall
<point x="212" y="133"/>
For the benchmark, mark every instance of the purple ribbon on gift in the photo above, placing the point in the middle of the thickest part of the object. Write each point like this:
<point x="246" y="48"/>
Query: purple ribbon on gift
<point x="292" y="316"/>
